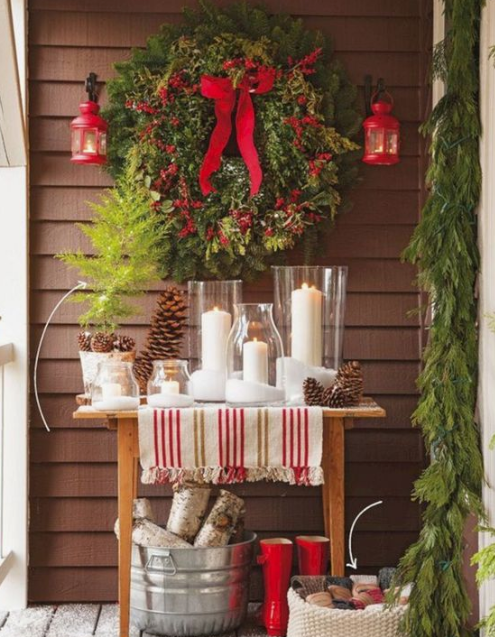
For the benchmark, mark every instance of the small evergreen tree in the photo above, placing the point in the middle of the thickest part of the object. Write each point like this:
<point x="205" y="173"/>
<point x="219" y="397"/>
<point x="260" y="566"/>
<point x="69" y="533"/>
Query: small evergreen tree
<point x="125" y="238"/>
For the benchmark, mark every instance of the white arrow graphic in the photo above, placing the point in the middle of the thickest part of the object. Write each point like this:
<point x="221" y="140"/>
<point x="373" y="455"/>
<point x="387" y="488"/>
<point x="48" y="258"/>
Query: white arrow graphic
<point x="82" y="285"/>
<point x="353" y="562"/>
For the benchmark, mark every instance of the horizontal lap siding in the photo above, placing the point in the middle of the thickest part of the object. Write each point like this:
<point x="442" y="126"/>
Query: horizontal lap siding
<point x="73" y="470"/>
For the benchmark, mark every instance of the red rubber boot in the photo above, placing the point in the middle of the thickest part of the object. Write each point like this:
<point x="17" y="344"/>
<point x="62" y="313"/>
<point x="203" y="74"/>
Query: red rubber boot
<point x="276" y="558"/>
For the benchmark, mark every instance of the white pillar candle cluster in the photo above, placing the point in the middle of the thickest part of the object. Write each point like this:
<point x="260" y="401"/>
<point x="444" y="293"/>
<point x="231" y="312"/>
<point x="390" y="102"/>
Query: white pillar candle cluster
<point x="215" y="329"/>
<point x="255" y="362"/>
<point x="307" y="345"/>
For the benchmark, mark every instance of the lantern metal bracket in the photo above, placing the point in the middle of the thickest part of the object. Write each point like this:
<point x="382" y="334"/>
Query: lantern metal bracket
<point x="90" y="87"/>
<point x="368" y="94"/>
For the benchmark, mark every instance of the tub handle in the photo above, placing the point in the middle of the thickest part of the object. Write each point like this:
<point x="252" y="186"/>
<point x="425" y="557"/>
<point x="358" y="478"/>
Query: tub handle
<point x="166" y="564"/>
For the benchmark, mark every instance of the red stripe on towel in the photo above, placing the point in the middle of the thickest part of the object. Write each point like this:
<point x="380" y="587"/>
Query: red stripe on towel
<point x="164" y="451"/>
<point x="234" y="458"/>
<point x="291" y="440"/>
<point x="178" y="431"/>
<point x="171" y="436"/>
<point x="284" y="437"/>
<point x="227" y="442"/>
<point x="155" y="431"/>
<point x="220" y="437"/>
<point x="306" y="437"/>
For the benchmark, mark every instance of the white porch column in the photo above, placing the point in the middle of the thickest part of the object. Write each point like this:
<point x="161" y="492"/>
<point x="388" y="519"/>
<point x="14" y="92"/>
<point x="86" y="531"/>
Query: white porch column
<point x="13" y="306"/>
<point x="487" y="278"/>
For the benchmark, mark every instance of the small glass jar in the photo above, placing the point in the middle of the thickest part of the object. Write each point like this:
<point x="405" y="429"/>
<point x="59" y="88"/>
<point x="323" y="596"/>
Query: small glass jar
<point x="211" y="311"/>
<point x="255" y="358"/>
<point x="169" y="385"/>
<point x="115" y="388"/>
<point x="310" y="312"/>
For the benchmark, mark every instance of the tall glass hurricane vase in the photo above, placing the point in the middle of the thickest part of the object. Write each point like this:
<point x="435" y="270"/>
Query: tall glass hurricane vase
<point x="211" y="314"/>
<point x="310" y="315"/>
<point x="254" y="350"/>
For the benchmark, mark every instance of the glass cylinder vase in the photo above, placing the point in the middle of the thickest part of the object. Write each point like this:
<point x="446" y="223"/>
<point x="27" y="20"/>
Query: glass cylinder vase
<point x="115" y="387"/>
<point x="211" y="312"/>
<point x="310" y="315"/>
<point x="169" y="385"/>
<point x="255" y="356"/>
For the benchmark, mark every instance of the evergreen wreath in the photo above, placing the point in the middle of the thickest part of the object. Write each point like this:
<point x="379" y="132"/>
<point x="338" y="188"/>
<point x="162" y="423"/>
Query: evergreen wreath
<point x="234" y="223"/>
<point x="444" y="246"/>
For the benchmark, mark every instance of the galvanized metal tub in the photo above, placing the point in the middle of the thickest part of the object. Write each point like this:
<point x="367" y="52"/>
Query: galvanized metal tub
<point x="191" y="592"/>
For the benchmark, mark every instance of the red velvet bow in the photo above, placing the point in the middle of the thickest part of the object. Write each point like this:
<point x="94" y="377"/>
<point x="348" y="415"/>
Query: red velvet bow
<point x="222" y="91"/>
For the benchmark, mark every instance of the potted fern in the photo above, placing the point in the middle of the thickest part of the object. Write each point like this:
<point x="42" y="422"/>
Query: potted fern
<point x="125" y="241"/>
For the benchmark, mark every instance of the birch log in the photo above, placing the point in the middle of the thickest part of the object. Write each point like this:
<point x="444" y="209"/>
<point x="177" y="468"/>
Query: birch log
<point x="188" y="510"/>
<point x="148" y="534"/>
<point x="220" y="524"/>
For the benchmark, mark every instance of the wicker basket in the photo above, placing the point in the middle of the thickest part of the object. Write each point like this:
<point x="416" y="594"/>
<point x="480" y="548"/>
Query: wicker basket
<point x="308" y="620"/>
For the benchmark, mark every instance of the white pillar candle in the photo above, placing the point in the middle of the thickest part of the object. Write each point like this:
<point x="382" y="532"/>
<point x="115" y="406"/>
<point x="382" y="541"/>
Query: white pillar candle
<point x="111" y="390"/>
<point x="306" y="325"/>
<point x="170" y="387"/>
<point x="255" y="362"/>
<point x="215" y="329"/>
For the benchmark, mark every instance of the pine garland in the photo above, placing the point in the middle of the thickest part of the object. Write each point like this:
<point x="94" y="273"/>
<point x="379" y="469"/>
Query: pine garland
<point x="444" y="246"/>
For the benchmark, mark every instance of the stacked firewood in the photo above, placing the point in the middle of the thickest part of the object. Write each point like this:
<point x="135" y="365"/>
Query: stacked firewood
<point x="188" y="525"/>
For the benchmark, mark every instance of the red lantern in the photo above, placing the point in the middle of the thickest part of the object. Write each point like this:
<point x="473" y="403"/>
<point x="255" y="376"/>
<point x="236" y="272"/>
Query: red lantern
<point x="381" y="131"/>
<point x="89" y="130"/>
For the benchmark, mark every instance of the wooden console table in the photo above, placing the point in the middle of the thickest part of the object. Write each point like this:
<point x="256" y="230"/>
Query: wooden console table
<point x="335" y="422"/>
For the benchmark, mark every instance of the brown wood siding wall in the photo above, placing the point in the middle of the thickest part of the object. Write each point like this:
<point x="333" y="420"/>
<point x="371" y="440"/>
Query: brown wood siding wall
<point x="73" y="552"/>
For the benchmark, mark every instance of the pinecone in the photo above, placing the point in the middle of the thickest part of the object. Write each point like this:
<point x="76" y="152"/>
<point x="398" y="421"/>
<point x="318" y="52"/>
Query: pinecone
<point x="313" y="392"/>
<point x="334" y="397"/>
<point x="124" y="343"/>
<point x="165" y="335"/>
<point x="350" y="380"/>
<point x="84" y="341"/>
<point x="102" y="342"/>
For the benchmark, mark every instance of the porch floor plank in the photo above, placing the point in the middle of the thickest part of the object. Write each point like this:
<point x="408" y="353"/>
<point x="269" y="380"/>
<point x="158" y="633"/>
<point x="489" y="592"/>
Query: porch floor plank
<point x="32" y="622"/>
<point x="87" y="620"/>
<point x="74" y="620"/>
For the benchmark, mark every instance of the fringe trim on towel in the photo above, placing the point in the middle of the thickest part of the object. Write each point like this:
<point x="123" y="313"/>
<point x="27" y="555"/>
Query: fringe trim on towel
<point x="306" y="476"/>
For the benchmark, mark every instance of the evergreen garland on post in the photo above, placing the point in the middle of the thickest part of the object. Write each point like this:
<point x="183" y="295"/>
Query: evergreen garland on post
<point x="444" y="246"/>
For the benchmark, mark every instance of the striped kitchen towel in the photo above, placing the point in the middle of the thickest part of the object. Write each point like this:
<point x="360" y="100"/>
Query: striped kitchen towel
<point x="224" y="445"/>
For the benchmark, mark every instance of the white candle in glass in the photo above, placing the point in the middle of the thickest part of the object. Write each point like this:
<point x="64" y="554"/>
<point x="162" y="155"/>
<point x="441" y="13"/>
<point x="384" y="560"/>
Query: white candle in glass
<point x="215" y="329"/>
<point x="170" y="387"/>
<point x="111" y="390"/>
<point x="307" y="325"/>
<point x="255" y="362"/>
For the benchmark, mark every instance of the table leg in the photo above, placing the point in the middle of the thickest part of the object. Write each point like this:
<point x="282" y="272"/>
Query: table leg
<point x="334" y="493"/>
<point x="126" y="474"/>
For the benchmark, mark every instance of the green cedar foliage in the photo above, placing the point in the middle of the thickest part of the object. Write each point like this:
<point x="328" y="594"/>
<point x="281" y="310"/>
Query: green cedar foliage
<point x="444" y="246"/>
<point x="124" y="264"/>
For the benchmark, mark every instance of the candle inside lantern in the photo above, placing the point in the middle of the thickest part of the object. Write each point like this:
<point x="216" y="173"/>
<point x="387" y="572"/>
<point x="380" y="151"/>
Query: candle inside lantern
<point x="90" y="142"/>
<point x="215" y="329"/>
<point x="170" y="387"/>
<point x="111" y="390"/>
<point x="306" y="317"/>
<point x="255" y="361"/>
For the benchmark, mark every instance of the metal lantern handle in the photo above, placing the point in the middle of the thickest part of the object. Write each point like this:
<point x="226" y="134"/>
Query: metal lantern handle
<point x="90" y="87"/>
<point x="381" y="92"/>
